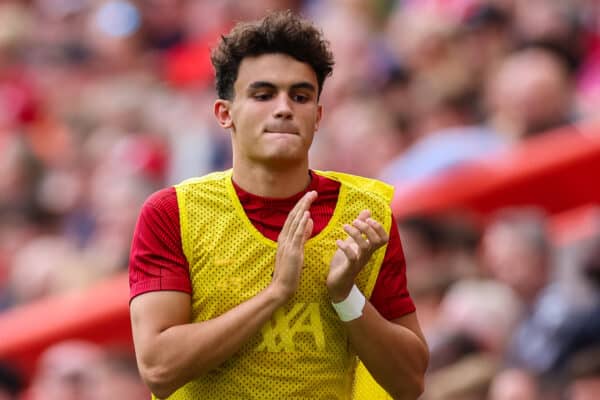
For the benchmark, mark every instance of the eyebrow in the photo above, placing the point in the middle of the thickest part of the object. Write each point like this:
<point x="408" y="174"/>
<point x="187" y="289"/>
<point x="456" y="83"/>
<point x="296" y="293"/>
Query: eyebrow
<point x="269" y="85"/>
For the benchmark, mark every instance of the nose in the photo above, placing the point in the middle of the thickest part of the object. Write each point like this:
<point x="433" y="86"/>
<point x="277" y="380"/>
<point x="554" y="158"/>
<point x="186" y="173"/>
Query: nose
<point x="283" y="108"/>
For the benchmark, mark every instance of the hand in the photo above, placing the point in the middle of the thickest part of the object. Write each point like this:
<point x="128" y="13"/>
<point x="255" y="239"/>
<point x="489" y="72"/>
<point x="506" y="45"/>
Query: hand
<point x="290" y="247"/>
<point x="365" y="235"/>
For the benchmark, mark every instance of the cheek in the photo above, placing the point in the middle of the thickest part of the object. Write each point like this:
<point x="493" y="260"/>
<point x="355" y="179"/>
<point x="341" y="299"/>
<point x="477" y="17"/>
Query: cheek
<point x="248" y="114"/>
<point x="310" y="120"/>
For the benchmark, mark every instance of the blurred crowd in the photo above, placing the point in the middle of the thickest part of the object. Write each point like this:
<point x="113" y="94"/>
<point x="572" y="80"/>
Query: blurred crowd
<point x="103" y="102"/>
<point x="77" y="370"/>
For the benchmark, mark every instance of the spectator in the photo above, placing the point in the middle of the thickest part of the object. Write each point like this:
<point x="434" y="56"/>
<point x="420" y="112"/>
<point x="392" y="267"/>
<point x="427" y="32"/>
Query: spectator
<point x="119" y="378"/>
<point x="67" y="371"/>
<point x="530" y="93"/>
<point x="487" y="324"/>
<point x="514" y="384"/>
<point x="516" y="251"/>
<point x="445" y="119"/>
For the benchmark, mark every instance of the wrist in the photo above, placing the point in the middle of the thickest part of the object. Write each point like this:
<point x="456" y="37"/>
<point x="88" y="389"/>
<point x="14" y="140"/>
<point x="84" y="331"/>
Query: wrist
<point x="351" y="307"/>
<point x="277" y="294"/>
<point x="340" y="293"/>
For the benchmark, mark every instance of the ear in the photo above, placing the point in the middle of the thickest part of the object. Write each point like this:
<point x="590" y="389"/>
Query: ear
<point x="319" y="116"/>
<point x="222" y="111"/>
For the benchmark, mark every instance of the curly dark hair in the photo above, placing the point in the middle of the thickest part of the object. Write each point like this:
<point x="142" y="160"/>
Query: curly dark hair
<point x="279" y="32"/>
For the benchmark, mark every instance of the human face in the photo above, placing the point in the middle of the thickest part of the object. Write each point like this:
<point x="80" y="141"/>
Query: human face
<point x="274" y="112"/>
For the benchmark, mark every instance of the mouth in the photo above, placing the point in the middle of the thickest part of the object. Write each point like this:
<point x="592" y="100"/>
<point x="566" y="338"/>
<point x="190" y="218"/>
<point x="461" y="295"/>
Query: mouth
<point x="282" y="131"/>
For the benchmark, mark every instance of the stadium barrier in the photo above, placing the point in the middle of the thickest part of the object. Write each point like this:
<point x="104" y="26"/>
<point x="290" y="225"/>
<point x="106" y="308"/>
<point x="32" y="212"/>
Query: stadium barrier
<point x="556" y="171"/>
<point x="99" y="314"/>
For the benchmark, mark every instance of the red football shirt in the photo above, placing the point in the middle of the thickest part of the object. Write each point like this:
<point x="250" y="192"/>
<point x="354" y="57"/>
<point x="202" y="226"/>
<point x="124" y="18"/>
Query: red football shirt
<point x="157" y="261"/>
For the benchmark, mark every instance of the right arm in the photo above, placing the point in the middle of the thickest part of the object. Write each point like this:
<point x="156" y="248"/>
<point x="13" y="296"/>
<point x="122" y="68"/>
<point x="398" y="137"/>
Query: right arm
<point x="171" y="350"/>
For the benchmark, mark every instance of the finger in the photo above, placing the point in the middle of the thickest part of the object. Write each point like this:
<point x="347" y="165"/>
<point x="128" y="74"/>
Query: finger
<point x="357" y="236"/>
<point x="350" y="251"/>
<point x="309" y="229"/>
<point x="364" y="214"/>
<point x="295" y="218"/>
<point x="368" y="231"/>
<point x="298" y="208"/>
<point x="295" y="215"/>
<point x="303" y="207"/>
<point x="377" y="227"/>
<point x="300" y="233"/>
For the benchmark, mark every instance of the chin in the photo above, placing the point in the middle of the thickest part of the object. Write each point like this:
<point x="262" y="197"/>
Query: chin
<point x="283" y="160"/>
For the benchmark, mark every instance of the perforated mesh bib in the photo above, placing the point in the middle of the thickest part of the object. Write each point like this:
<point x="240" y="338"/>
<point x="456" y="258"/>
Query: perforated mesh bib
<point x="303" y="352"/>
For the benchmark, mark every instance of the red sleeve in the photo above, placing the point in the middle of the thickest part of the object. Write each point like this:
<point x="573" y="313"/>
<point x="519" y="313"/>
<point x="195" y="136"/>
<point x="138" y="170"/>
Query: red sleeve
<point x="390" y="296"/>
<point x="156" y="260"/>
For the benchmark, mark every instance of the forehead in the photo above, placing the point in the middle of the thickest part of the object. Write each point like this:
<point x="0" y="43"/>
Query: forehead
<point x="278" y="69"/>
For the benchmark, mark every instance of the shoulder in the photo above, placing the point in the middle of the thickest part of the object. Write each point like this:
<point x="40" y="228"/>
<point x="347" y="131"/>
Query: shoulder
<point x="369" y="186"/>
<point x="213" y="177"/>
<point x="160" y="209"/>
<point x="161" y="199"/>
<point x="325" y="185"/>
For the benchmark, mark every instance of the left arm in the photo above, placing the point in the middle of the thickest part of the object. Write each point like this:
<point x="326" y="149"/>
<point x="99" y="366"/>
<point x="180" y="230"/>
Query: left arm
<point x="394" y="352"/>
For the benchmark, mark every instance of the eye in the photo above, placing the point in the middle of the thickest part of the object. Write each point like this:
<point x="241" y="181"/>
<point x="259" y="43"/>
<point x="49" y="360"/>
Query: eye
<point x="300" y="98"/>
<point x="261" y="96"/>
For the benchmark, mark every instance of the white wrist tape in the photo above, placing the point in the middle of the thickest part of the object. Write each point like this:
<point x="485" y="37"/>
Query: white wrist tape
<point x="352" y="306"/>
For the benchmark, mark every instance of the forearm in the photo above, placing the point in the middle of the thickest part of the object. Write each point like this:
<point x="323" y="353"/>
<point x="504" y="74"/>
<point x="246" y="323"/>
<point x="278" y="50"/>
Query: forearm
<point x="394" y="355"/>
<point x="180" y="353"/>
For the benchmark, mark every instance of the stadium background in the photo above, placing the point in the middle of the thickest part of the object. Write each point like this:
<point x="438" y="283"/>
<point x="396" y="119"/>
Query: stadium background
<point x="482" y="113"/>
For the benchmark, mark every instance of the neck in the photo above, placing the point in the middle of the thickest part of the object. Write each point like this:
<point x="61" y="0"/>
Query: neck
<point x="272" y="182"/>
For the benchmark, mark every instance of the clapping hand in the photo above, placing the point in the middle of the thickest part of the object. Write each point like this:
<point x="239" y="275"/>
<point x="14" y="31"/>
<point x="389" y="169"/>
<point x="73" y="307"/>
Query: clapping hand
<point x="365" y="235"/>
